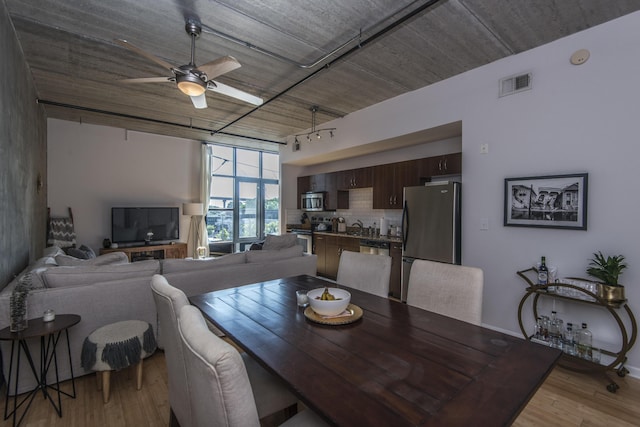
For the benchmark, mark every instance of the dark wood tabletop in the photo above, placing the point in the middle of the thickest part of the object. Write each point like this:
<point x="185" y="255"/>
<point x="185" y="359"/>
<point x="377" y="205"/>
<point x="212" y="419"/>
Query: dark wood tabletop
<point x="396" y="366"/>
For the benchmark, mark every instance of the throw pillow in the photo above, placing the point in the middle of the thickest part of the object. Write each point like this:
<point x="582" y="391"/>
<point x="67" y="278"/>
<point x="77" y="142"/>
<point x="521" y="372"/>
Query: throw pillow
<point x="106" y="259"/>
<point x="52" y="251"/>
<point x="83" y="252"/>
<point x="283" y="241"/>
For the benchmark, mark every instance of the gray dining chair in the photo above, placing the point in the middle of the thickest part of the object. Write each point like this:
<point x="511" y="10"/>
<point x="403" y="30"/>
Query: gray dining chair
<point x="271" y="395"/>
<point x="220" y="387"/>
<point x="447" y="289"/>
<point x="366" y="272"/>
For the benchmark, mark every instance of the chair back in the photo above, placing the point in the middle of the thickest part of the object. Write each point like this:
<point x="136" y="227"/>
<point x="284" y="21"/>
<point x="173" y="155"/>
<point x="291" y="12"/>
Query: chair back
<point x="366" y="272"/>
<point x="221" y="393"/>
<point x="169" y="301"/>
<point x="447" y="289"/>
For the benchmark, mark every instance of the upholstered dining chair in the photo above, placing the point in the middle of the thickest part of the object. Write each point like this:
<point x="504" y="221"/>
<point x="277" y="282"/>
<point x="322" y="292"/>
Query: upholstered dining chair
<point x="366" y="272"/>
<point x="271" y="395"/>
<point x="220" y="387"/>
<point x="447" y="289"/>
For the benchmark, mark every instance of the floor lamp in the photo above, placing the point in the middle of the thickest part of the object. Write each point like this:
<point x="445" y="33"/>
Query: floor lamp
<point x="195" y="211"/>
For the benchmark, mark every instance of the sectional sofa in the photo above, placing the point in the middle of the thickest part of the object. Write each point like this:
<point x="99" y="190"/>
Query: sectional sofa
<point x="108" y="289"/>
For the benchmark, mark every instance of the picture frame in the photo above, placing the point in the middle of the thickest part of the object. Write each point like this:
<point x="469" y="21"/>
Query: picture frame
<point x="552" y="201"/>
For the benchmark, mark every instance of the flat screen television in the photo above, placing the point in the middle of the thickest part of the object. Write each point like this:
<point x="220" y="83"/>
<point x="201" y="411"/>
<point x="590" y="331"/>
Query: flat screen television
<point x="139" y="224"/>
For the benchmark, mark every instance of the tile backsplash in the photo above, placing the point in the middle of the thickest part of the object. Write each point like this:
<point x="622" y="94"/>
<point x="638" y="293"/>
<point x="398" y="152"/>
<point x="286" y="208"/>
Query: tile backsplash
<point x="360" y="208"/>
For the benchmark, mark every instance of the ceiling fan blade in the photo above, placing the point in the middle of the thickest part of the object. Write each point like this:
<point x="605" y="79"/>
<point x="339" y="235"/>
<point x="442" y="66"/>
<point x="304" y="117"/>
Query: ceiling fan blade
<point x="234" y="93"/>
<point x="147" y="55"/>
<point x="219" y="67"/>
<point x="149" y="80"/>
<point x="199" y="101"/>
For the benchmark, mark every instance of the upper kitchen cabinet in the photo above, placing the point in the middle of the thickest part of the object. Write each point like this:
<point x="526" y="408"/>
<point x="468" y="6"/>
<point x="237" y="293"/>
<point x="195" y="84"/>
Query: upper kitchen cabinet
<point x="304" y="185"/>
<point x="450" y="164"/>
<point x="355" y="178"/>
<point x="389" y="181"/>
<point x="328" y="183"/>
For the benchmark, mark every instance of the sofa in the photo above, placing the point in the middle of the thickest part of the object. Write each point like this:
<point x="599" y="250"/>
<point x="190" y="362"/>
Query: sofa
<point x="108" y="289"/>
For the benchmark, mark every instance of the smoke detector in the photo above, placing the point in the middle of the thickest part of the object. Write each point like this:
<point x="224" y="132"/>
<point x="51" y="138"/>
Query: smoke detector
<point x="514" y="84"/>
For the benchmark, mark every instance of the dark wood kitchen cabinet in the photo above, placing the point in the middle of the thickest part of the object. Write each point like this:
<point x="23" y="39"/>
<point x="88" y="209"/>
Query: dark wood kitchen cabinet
<point x="389" y="181"/>
<point x="320" y="250"/>
<point x="450" y="164"/>
<point x="328" y="250"/>
<point x="355" y="178"/>
<point x="304" y="185"/>
<point x="395" y="283"/>
<point x="328" y="183"/>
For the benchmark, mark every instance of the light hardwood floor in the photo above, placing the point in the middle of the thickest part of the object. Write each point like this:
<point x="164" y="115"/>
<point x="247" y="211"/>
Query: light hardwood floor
<point x="565" y="399"/>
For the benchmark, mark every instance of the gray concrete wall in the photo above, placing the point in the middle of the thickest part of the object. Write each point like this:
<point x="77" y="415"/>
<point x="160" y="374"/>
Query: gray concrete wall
<point x="23" y="158"/>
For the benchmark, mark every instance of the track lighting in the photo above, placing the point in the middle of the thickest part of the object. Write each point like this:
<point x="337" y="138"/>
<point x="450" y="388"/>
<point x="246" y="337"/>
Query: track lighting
<point x="317" y="132"/>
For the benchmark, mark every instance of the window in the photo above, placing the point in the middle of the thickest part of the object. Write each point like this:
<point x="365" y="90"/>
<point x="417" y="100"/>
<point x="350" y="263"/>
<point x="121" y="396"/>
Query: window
<point x="244" y="203"/>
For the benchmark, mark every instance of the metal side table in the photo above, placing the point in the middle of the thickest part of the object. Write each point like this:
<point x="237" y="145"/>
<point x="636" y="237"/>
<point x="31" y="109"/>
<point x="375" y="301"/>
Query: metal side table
<point x="49" y="334"/>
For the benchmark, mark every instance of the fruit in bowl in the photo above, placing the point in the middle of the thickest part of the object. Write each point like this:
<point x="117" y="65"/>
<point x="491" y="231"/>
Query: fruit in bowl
<point x="329" y="301"/>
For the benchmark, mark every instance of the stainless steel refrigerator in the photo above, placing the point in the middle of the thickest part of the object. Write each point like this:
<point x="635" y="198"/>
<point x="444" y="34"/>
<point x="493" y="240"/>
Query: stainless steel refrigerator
<point x="430" y="226"/>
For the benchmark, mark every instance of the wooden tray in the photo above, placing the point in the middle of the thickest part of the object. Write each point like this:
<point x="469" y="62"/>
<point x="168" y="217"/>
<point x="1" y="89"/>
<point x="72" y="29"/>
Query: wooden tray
<point x="356" y="314"/>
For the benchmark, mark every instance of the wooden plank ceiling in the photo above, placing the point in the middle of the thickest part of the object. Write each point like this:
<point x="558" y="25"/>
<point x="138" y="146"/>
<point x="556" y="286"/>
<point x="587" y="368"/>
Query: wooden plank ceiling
<point x="69" y="46"/>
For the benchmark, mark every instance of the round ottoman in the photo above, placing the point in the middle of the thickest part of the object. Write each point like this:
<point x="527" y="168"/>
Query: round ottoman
<point x="117" y="346"/>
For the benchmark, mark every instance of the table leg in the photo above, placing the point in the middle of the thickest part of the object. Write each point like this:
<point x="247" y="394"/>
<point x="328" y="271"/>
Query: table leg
<point x="139" y="375"/>
<point x="48" y="356"/>
<point x="22" y="346"/>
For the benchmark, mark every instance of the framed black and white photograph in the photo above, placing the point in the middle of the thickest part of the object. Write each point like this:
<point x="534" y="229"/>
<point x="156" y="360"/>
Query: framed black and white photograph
<point x="554" y="201"/>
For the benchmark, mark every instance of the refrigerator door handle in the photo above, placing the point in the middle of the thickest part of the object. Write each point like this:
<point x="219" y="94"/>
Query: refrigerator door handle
<point x="405" y="225"/>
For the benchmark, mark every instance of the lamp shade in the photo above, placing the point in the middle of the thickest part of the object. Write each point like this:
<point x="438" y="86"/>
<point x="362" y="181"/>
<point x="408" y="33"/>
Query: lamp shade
<point x="192" y="209"/>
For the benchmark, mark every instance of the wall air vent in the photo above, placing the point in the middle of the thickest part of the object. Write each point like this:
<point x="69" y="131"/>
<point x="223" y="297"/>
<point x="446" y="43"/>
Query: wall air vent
<point x="514" y="84"/>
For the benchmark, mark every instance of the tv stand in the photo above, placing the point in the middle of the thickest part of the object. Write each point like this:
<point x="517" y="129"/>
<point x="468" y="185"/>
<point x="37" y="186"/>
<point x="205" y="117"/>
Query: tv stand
<point x="141" y="253"/>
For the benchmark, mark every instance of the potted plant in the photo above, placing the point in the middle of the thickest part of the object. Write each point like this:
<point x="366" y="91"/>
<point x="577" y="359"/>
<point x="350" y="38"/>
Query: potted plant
<point x="607" y="271"/>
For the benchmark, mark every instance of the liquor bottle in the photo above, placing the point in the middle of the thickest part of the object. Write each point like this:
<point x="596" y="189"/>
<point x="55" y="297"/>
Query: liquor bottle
<point x="543" y="273"/>
<point x="555" y="330"/>
<point x="569" y="346"/>
<point x="585" y="340"/>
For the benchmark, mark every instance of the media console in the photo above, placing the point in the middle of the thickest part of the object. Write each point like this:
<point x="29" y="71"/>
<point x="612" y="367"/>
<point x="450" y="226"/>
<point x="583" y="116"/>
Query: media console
<point x="140" y="253"/>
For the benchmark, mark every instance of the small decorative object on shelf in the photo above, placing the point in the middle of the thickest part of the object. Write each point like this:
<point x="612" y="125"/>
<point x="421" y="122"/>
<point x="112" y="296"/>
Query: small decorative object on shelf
<point x="202" y="252"/>
<point x="607" y="271"/>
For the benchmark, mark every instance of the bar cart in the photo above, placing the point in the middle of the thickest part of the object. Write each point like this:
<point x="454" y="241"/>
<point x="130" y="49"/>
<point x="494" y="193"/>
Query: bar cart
<point x="615" y="308"/>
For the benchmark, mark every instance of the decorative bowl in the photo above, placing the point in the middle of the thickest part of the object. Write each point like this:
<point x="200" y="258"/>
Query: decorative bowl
<point x="329" y="307"/>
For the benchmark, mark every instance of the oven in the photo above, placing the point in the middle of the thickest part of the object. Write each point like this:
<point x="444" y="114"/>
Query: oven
<point x="312" y="201"/>
<point x="305" y="239"/>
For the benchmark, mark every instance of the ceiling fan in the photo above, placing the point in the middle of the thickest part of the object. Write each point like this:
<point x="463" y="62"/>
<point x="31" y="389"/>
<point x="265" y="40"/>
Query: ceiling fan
<point x="195" y="80"/>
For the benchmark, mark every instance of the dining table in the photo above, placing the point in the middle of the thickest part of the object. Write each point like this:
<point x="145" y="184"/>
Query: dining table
<point x="390" y="364"/>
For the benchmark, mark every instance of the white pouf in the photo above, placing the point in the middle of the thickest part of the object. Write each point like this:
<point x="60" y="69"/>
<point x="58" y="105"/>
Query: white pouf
<point x="117" y="346"/>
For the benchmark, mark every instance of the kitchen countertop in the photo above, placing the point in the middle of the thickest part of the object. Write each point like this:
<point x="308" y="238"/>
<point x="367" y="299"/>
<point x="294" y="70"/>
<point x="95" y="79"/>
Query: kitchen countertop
<point x="365" y="236"/>
<point x="351" y="232"/>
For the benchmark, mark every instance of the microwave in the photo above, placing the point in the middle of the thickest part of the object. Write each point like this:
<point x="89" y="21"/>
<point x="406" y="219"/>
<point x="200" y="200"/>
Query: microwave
<point x="312" y="201"/>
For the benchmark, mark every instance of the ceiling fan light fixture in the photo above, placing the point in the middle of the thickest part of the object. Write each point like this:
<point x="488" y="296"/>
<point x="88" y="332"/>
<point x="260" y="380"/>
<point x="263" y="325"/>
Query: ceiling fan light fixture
<point x="191" y="85"/>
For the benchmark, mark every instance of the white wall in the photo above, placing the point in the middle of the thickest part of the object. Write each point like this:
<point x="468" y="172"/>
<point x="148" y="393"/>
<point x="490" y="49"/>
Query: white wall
<point x="575" y="119"/>
<point x="93" y="168"/>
